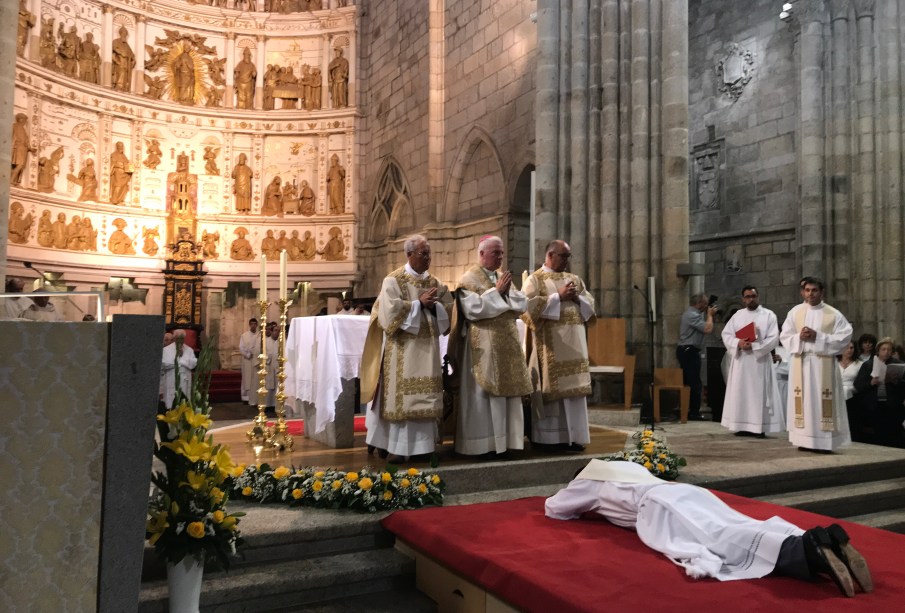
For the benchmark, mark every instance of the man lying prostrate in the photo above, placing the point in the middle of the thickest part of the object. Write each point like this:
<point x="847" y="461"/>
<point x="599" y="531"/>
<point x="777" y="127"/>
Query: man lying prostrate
<point x="699" y="532"/>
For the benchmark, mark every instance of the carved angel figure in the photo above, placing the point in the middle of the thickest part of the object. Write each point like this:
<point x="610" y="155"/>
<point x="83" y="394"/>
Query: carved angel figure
<point x="210" y="160"/>
<point x="19" y="223"/>
<point x="156" y="58"/>
<point x="150" y="235"/>
<point x="209" y="242"/>
<point x="155" y="87"/>
<point x="154" y="153"/>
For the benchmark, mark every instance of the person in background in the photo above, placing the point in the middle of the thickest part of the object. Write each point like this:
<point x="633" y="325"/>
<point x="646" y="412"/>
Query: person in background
<point x="249" y="348"/>
<point x="880" y="395"/>
<point x="866" y="346"/>
<point x="41" y="309"/>
<point x="15" y="306"/>
<point x="849" y="365"/>
<point x="177" y="358"/>
<point x="696" y="322"/>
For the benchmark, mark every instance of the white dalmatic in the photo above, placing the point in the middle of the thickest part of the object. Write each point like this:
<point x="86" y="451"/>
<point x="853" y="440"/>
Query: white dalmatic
<point x="752" y="403"/>
<point x="249" y="347"/>
<point x="815" y="382"/>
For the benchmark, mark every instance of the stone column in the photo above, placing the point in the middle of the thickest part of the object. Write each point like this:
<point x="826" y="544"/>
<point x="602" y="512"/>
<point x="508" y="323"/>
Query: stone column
<point x="323" y="162"/>
<point x="547" y="127"/>
<point x="9" y="14"/>
<point x="261" y="66"/>
<point x="138" y="79"/>
<point x="576" y="226"/>
<point x="106" y="145"/>
<point x="106" y="45"/>
<point x="436" y="123"/>
<point x="230" y="93"/>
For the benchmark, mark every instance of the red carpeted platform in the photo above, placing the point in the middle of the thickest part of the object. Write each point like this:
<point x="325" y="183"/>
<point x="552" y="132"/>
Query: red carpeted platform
<point x="296" y="427"/>
<point x="225" y="386"/>
<point x="538" y="564"/>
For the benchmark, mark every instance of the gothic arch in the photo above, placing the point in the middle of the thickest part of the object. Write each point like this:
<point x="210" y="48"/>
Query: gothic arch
<point x="391" y="207"/>
<point x="476" y="142"/>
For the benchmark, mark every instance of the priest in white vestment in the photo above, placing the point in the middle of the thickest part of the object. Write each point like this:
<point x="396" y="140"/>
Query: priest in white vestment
<point x="559" y="307"/>
<point x="753" y="404"/>
<point x="403" y="378"/>
<point x="699" y="532"/>
<point x="249" y="348"/>
<point x="814" y="333"/>
<point x="492" y="368"/>
<point x="175" y="354"/>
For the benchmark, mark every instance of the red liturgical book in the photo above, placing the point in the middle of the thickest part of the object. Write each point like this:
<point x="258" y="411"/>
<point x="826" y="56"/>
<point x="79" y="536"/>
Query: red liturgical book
<point x="747" y="333"/>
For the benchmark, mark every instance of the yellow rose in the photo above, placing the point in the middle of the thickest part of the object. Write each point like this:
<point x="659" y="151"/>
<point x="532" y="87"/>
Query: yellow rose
<point x="229" y="522"/>
<point x="365" y="484"/>
<point x="218" y="516"/>
<point x="648" y="465"/>
<point x="388" y="495"/>
<point x="386" y="477"/>
<point x="422" y="488"/>
<point x="246" y="491"/>
<point x="336" y="484"/>
<point x="317" y="486"/>
<point x="195" y="529"/>
<point x="297" y="493"/>
<point x="320" y="474"/>
<point x="662" y="456"/>
<point x="405" y="483"/>
<point x="412" y="472"/>
<point x="237" y="472"/>
<point x="281" y="473"/>
<point x="351" y="476"/>
<point x="217" y="495"/>
<point x="661" y="468"/>
<point x="435" y="480"/>
<point x="647" y="434"/>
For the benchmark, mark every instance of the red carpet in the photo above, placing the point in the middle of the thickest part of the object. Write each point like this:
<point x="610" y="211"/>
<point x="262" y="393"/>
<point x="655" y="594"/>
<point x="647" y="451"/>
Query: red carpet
<point x="540" y="564"/>
<point x="297" y="426"/>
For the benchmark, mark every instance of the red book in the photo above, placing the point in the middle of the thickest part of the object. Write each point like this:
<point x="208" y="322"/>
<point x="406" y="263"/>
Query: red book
<point x="747" y="333"/>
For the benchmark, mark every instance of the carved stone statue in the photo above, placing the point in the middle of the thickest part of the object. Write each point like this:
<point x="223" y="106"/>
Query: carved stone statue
<point x="150" y="235"/>
<point x="273" y="199"/>
<point x="215" y="69"/>
<point x="154" y="153"/>
<point x="48" y="169"/>
<point x="87" y="179"/>
<point x="88" y="235"/>
<point x="315" y="101"/>
<point x="120" y="243"/>
<point x="241" y="249"/>
<point x="156" y="86"/>
<point x="336" y="186"/>
<point x="339" y="80"/>
<point x="48" y="45"/>
<point x="183" y="90"/>
<point x="210" y="160"/>
<point x="26" y="23"/>
<point x="68" y="51"/>
<point x="19" y="223"/>
<point x="45" y="229"/>
<point x="89" y="60"/>
<point x="269" y="246"/>
<point x="270" y="82"/>
<point x="156" y="58"/>
<point x="73" y="234"/>
<point x="58" y="231"/>
<point x="335" y="249"/>
<point x="306" y="200"/>
<point x="21" y="148"/>
<point x="308" y="247"/>
<point x="287" y="88"/>
<point x="209" y="242"/>
<point x="290" y="199"/>
<point x="214" y="97"/>
<point x="244" y="76"/>
<point x="123" y="62"/>
<point x="120" y="175"/>
<point x="283" y="243"/>
<point x="242" y="185"/>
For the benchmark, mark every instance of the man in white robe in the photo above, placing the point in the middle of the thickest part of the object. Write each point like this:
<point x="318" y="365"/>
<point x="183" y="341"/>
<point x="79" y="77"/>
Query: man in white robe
<point x="753" y="404"/>
<point x="177" y="354"/>
<point x="814" y="333"/>
<point x="249" y="348"/>
<point x="559" y="307"/>
<point x="492" y="367"/>
<point x="402" y="373"/>
<point x="699" y="532"/>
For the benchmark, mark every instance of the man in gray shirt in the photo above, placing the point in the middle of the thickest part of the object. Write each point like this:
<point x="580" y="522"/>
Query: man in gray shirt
<point x="692" y="329"/>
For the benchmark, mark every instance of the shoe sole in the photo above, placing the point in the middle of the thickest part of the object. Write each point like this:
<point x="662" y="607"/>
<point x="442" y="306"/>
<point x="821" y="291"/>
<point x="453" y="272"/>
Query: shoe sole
<point x="839" y="571"/>
<point x="851" y="557"/>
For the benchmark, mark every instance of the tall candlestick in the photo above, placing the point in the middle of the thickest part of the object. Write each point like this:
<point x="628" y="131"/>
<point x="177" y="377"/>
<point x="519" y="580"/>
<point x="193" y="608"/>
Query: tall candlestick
<point x="283" y="280"/>
<point x="263" y="277"/>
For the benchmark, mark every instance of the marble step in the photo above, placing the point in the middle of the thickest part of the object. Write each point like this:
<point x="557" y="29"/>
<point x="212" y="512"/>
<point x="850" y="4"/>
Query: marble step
<point x="892" y="520"/>
<point x="847" y="501"/>
<point x="294" y="584"/>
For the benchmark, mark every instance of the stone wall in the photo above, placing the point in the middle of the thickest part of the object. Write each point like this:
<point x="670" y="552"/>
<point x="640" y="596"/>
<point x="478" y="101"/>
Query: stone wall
<point x="743" y="165"/>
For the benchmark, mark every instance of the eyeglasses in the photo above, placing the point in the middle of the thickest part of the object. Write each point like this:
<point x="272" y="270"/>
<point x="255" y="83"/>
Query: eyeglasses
<point x="422" y="254"/>
<point x="746" y="296"/>
<point x="564" y="256"/>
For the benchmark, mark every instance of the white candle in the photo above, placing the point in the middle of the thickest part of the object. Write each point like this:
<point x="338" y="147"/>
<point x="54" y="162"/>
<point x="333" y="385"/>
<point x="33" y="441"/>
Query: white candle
<point x="263" y="277"/>
<point x="283" y="279"/>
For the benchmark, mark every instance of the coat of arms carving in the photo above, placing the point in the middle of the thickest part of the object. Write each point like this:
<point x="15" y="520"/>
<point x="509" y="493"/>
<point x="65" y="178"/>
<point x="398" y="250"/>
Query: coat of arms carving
<point x="734" y="71"/>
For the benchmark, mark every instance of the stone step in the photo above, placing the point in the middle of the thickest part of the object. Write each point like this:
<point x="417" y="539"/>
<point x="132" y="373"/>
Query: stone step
<point x="292" y="585"/>
<point x="614" y="415"/>
<point x="402" y="600"/>
<point x="893" y="520"/>
<point x="848" y="500"/>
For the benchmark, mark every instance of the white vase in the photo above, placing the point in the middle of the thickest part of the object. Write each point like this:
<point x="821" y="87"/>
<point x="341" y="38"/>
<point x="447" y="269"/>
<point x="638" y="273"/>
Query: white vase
<point x="184" y="580"/>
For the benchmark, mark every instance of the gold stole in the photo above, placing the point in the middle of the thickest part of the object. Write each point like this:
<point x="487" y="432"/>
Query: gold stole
<point x="827" y="363"/>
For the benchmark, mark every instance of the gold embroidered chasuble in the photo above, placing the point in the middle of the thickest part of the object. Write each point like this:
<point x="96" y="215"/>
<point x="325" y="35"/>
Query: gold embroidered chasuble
<point x="559" y="355"/>
<point x="498" y="362"/>
<point x="410" y="363"/>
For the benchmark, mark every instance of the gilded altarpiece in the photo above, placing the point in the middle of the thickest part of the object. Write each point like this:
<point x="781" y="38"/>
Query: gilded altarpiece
<point x="184" y="276"/>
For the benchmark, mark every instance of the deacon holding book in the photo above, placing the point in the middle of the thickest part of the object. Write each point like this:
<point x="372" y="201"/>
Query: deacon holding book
<point x="814" y="333"/>
<point x="753" y="405"/>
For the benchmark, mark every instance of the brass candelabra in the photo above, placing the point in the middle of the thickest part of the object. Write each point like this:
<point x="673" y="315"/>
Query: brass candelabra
<point x="280" y="439"/>
<point x="260" y="432"/>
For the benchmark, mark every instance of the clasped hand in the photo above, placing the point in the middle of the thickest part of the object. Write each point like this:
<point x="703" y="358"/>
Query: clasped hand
<point x="429" y="298"/>
<point x="504" y="282"/>
<point x="569" y="292"/>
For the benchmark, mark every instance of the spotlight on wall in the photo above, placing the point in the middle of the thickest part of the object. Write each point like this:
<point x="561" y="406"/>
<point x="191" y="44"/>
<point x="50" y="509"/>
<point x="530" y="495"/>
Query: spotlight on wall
<point x="786" y="13"/>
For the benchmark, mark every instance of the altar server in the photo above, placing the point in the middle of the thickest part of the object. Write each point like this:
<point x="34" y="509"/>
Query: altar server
<point x="249" y="348"/>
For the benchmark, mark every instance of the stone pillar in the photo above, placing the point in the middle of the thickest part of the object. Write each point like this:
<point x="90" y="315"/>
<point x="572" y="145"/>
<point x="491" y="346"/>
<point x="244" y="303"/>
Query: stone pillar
<point x="261" y="66"/>
<point x="106" y="45"/>
<point x="230" y="93"/>
<point x="436" y="123"/>
<point x="9" y="14"/>
<point x="323" y="162"/>
<point x="576" y="227"/>
<point x="547" y="127"/>
<point x="138" y="79"/>
<point x="105" y="147"/>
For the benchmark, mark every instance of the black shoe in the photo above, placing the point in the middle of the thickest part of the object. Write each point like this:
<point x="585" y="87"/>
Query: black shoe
<point x="571" y="447"/>
<point x="697" y="417"/>
<point x="818" y="549"/>
<point x="850" y="556"/>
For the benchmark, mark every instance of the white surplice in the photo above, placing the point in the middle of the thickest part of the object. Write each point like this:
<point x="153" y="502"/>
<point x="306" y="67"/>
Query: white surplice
<point x="249" y="348"/>
<point x="686" y="523"/>
<point x="752" y="403"/>
<point x="826" y="346"/>
<point x="486" y="422"/>
<point x="187" y="362"/>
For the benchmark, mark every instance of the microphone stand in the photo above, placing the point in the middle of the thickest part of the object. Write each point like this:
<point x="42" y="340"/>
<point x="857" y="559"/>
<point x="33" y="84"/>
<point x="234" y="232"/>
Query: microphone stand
<point x="650" y="341"/>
